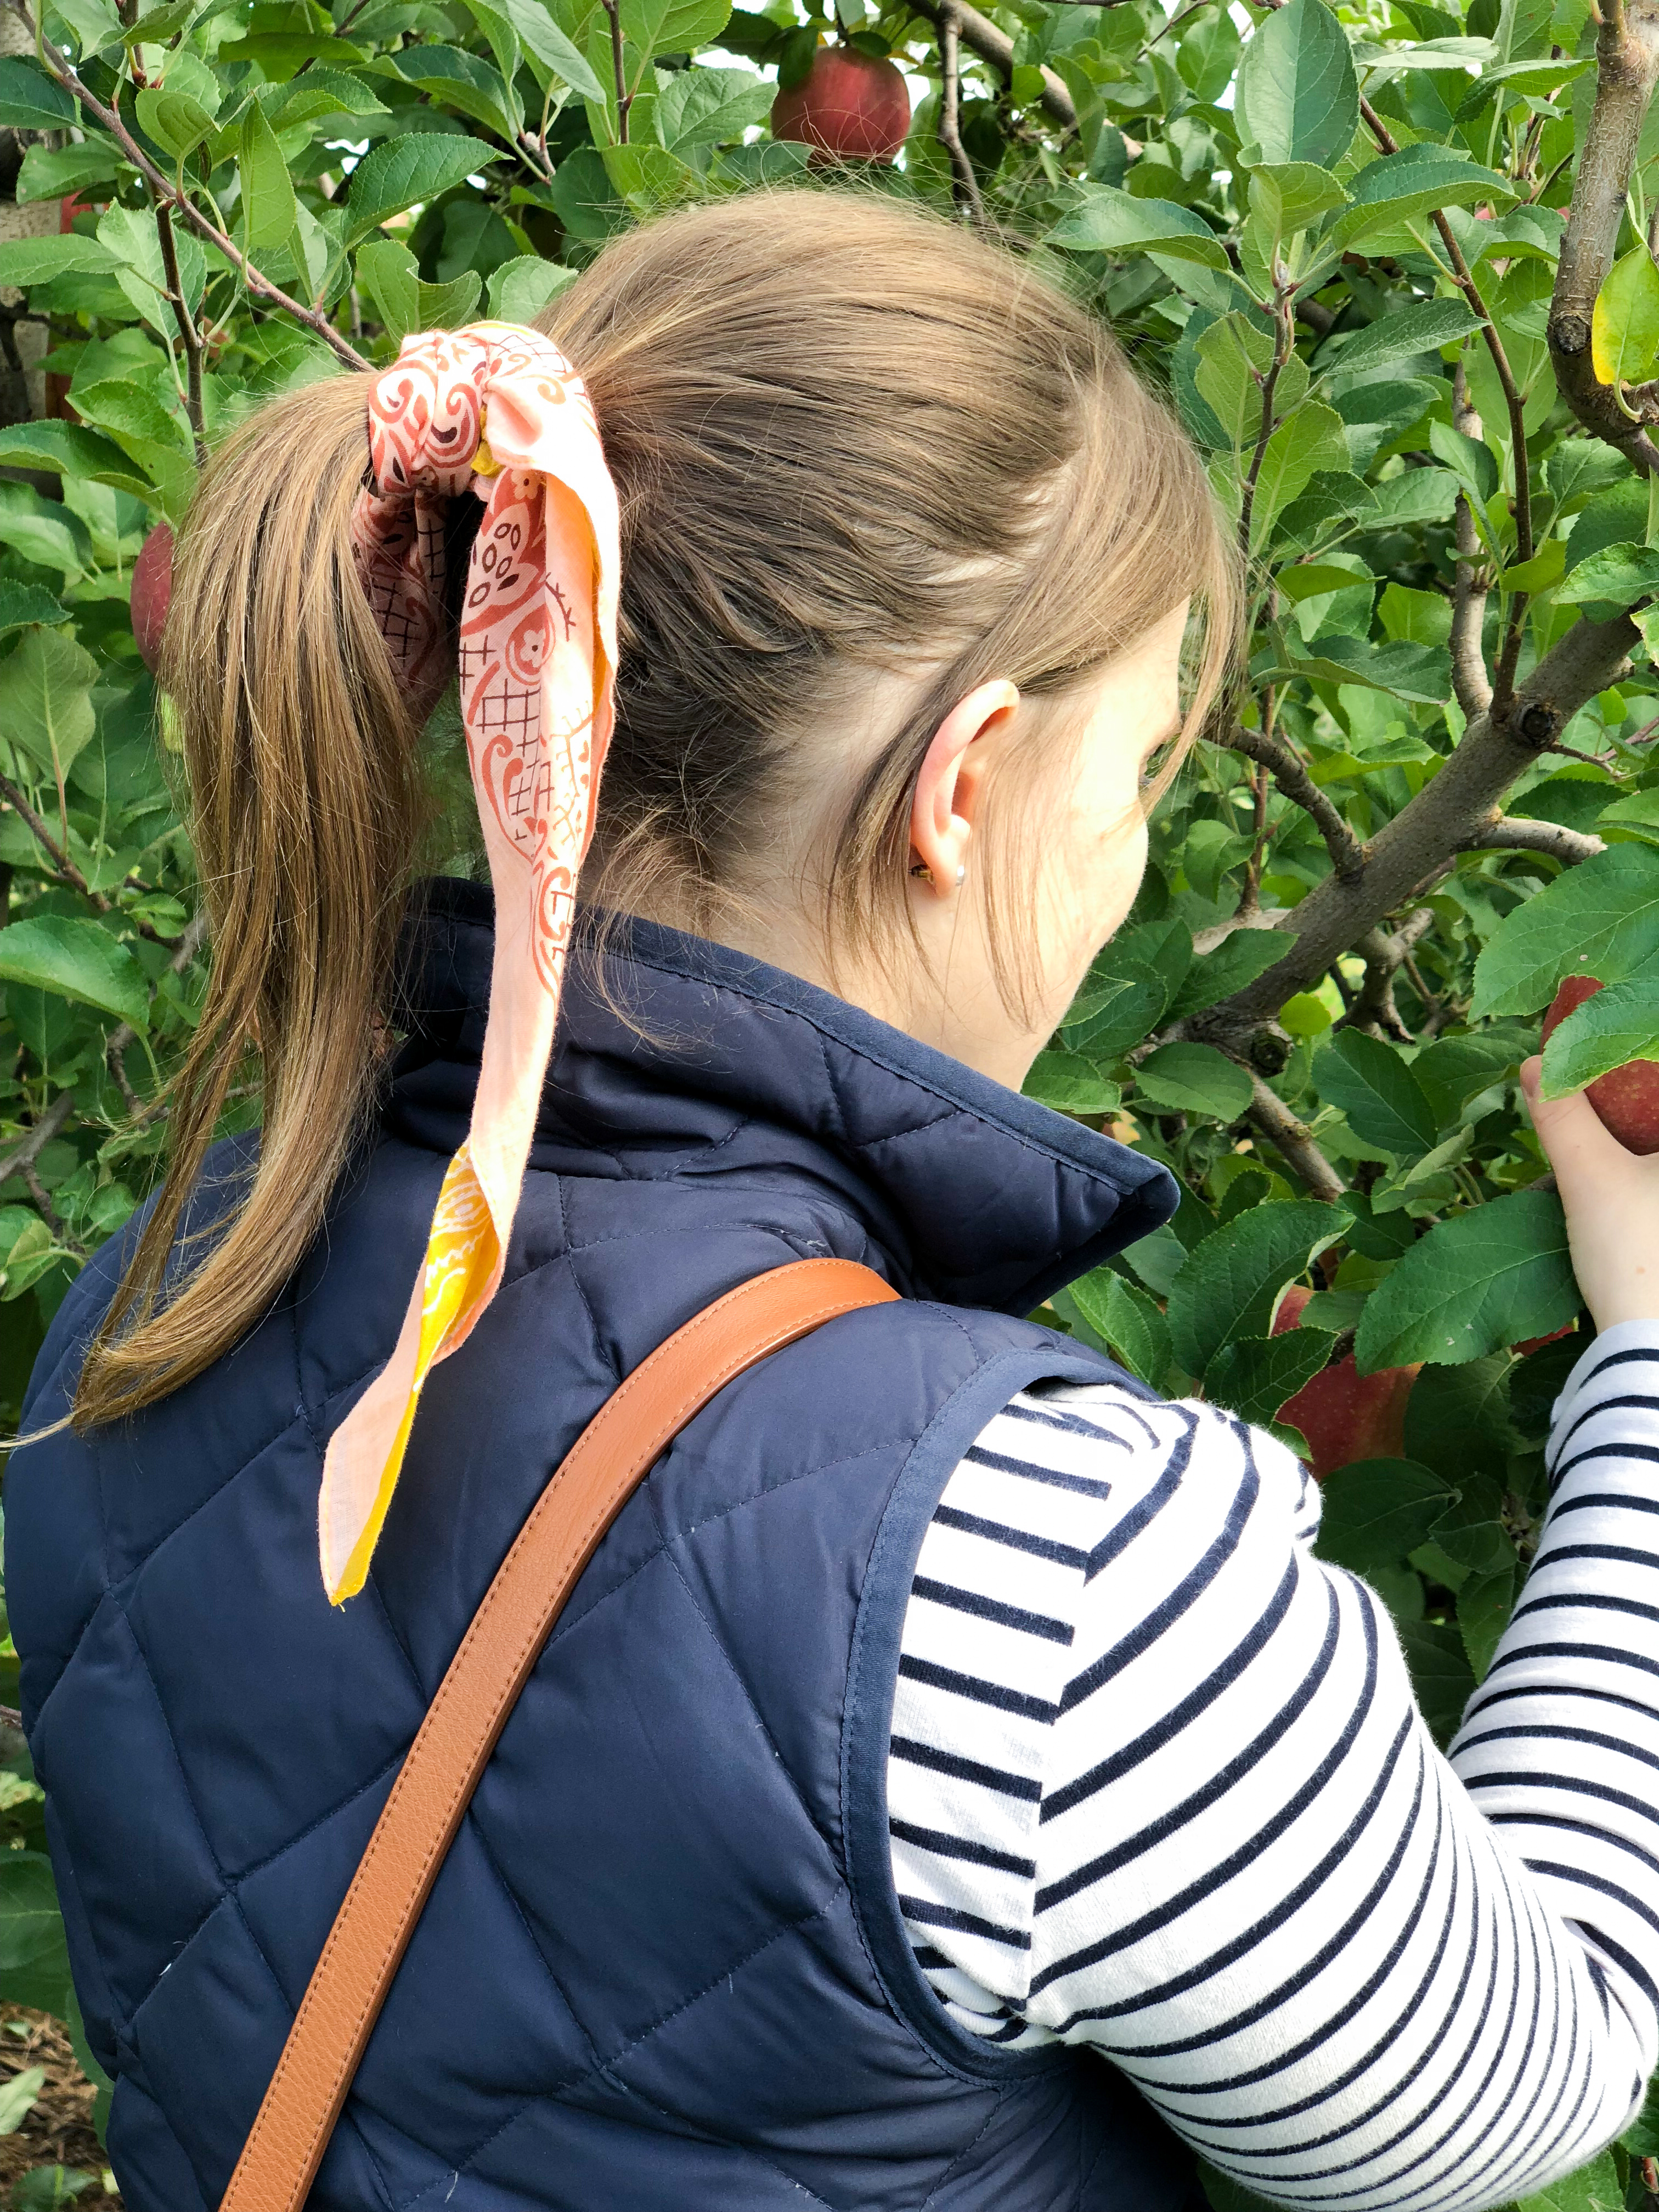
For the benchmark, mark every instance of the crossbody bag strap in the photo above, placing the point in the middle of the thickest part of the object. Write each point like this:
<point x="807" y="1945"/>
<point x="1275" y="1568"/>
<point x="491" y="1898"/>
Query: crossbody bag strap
<point x="420" y="1819"/>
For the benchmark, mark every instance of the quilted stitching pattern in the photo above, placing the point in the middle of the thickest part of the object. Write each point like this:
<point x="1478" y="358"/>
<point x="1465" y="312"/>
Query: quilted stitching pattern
<point x="641" y="1980"/>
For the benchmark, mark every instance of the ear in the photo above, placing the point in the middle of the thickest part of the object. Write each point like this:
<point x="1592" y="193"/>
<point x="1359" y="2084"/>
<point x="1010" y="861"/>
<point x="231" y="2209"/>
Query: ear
<point x="951" y="779"/>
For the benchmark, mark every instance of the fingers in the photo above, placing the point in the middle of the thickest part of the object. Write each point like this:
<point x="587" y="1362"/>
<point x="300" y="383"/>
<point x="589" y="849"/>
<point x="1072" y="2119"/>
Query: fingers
<point x="1576" y="1142"/>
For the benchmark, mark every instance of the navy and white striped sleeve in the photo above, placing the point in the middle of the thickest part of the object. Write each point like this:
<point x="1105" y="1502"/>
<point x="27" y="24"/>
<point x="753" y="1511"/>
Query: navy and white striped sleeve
<point x="1157" y="1784"/>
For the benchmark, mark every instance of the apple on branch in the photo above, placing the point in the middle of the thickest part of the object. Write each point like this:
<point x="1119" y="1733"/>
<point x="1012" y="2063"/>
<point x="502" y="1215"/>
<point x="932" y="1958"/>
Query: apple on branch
<point x="152" y="589"/>
<point x="850" y="106"/>
<point x="1627" y="1099"/>
<point x="1345" y="1415"/>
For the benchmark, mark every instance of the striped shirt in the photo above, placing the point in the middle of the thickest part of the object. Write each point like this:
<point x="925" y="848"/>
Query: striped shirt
<point x="1157" y="1783"/>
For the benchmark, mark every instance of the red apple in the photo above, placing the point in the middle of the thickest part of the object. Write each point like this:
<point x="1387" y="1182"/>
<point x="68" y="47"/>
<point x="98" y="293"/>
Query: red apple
<point x="152" y="588"/>
<point x="1531" y="1344"/>
<point x="1345" y="1415"/>
<point x="850" y="105"/>
<point x="1627" y="1100"/>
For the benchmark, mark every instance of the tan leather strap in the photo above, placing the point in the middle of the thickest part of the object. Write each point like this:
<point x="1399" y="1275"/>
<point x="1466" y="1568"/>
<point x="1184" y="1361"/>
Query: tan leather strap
<point x="615" y="1452"/>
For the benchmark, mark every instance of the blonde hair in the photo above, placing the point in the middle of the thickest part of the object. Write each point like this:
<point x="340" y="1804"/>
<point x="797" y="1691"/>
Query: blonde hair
<point x="845" y="436"/>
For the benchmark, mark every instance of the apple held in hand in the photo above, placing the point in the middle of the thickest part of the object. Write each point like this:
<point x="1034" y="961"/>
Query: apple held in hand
<point x="850" y="105"/>
<point x="1627" y="1099"/>
<point x="1345" y="1415"/>
<point x="152" y="588"/>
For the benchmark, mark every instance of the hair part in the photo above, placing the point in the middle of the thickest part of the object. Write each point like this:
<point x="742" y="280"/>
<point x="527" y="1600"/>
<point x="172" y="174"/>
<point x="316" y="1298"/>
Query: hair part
<point x="848" y="438"/>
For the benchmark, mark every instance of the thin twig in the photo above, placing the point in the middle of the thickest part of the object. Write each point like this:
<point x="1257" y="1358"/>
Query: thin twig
<point x="25" y="1154"/>
<point x="1293" y="1141"/>
<point x="1385" y="952"/>
<point x="1273" y="752"/>
<point x="63" y="866"/>
<point x="63" y="72"/>
<point x="950" y="132"/>
<point x="624" y="97"/>
<point x="1284" y="346"/>
<point x="189" y="337"/>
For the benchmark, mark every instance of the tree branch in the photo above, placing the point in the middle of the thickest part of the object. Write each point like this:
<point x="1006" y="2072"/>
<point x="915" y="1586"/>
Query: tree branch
<point x="22" y="1156"/>
<point x="950" y="132"/>
<point x="1518" y="835"/>
<point x="1414" y="848"/>
<point x="1293" y="1141"/>
<point x="1627" y="68"/>
<point x="1469" y="657"/>
<point x="995" y="46"/>
<point x="164" y="189"/>
<point x="1275" y="754"/>
<point x="1385" y="953"/>
<point x="63" y="866"/>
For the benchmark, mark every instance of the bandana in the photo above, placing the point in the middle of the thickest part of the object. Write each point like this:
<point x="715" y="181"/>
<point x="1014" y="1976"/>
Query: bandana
<point x="499" y="410"/>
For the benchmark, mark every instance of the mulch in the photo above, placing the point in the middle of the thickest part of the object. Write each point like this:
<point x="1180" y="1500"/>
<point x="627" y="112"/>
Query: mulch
<point x="58" y="2131"/>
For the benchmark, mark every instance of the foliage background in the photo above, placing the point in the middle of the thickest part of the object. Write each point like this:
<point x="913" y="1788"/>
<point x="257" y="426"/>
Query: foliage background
<point x="1393" y="262"/>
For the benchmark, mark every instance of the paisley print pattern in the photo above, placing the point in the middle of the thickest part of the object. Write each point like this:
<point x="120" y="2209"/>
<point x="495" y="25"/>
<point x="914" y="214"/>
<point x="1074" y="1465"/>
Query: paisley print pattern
<point x="497" y="412"/>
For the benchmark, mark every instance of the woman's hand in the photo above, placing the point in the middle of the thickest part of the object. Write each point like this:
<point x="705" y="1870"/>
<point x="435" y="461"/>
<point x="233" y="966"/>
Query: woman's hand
<point x="1612" y="1201"/>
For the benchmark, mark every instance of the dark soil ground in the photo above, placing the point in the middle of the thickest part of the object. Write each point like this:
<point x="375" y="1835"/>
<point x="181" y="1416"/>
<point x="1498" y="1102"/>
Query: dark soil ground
<point x="58" y="2131"/>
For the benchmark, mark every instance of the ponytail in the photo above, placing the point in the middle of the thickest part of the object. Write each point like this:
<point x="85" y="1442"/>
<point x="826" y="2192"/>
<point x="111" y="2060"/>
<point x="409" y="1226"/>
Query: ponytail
<point x="306" y="812"/>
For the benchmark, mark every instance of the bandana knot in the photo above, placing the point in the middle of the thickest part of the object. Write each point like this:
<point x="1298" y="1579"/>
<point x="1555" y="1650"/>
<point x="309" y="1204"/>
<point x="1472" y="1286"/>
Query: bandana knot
<point x="537" y="655"/>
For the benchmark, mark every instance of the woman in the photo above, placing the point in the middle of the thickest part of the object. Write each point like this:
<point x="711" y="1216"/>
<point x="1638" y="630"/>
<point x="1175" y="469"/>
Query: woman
<point x="954" y="1783"/>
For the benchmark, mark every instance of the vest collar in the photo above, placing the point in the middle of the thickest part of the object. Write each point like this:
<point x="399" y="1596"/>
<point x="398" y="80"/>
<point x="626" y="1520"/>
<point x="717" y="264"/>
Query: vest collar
<point x="973" y="1194"/>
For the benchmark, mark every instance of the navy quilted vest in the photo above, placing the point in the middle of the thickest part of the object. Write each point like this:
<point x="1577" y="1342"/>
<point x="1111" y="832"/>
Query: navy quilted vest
<point x="663" y="1969"/>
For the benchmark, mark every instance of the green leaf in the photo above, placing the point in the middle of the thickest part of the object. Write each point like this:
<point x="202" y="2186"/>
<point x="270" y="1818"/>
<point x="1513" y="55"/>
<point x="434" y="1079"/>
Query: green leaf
<point x="1228" y="1286"/>
<point x="30" y="99"/>
<point x="1254" y="1376"/>
<point x="70" y="449"/>
<point x="1375" y="1088"/>
<point x="401" y="171"/>
<point x="1418" y="495"/>
<point x="1116" y="1010"/>
<point x="268" y="203"/>
<point x="1600" y="918"/>
<point x="19" y="2097"/>
<point x="1239" y="958"/>
<point x="1193" y="1078"/>
<point x="1625" y="327"/>
<point x="26" y="261"/>
<point x="1376" y="1512"/>
<point x="1424" y="327"/>
<point x="24" y="603"/>
<point x="59" y="173"/>
<point x="1469" y="461"/>
<point x="1592" y="2188"/>
<point x="1641" y="2138"/>
<point x="76" y="960"/>
<point x="648" y="177"/>
<point x="459" y="80"/>
<point x="1231" y="360"/>
<point x="1389" y="193"/>
<point x="390" y="274"/>
<point x="46" y="700"/>
<point x="94" y="23"/>
<point x="519" y="289"/>
<point x="1107" y="221"/>
<point x="34" y="1958"/>
<point x="1409" y="671"/>
<point x="1618" y="1025"/>
<point x="1307" y="440"/>
<point x="673" y="26"/>
<point x="1071" y="1083"/>
<point x="1286" y="197"/>
<point x="1477" y="1282"/>
<point x="1441" y="1675"/>
<point x="1484" y="1606"/>
<point x="551" y="54"/>
<point x="711" y="106"/>
<point x="1457" y="1418"/>
<point x="177" y="123"/>
<point x="1127" y="1321"/>
<point x="130" y="237"/>
<point x="1297" y="98"/>
<point x="1619" y="573"/>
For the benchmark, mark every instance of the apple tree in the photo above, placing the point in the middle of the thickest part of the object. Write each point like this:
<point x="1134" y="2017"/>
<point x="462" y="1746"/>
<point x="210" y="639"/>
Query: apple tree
<point x="1395" y="263"/>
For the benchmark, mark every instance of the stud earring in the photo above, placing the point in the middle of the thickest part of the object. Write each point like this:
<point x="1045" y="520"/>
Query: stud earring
<point x="962" y="873"/>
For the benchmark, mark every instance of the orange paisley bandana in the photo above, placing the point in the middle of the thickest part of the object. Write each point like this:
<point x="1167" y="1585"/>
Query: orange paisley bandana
<point x="500" y="409"/>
